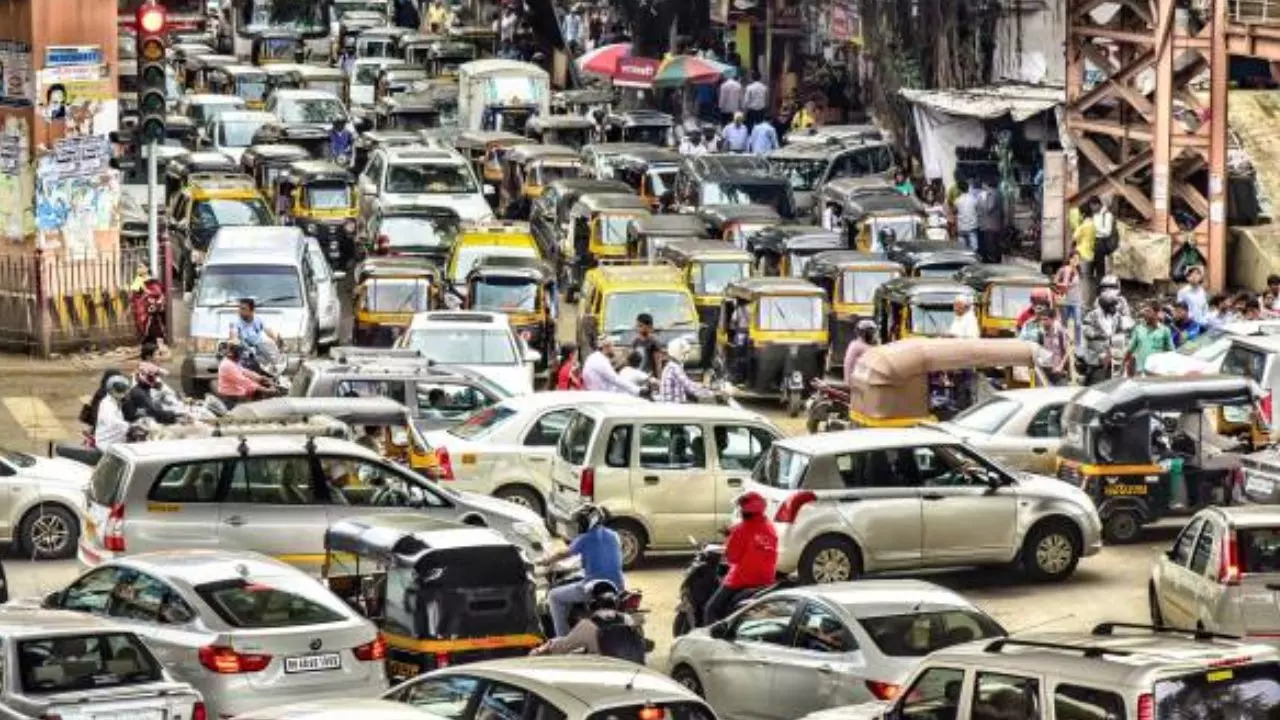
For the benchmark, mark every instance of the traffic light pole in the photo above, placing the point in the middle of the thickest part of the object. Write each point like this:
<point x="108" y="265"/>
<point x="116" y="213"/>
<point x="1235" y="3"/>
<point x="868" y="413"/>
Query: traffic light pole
<point x="153" y="210"/>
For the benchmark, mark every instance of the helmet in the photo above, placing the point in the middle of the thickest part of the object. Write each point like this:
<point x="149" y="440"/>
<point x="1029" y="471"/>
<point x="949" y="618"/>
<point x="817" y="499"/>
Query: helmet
<point x="678" y="350"/>
<point x="752" y="503"/>
<point x="588" y="517"/>
<point x="1110" y="281"/>
<point x="118" y="385"/>
<point x="601" y="595"/>
<point x="888" y="236"/>
<point x="1108" y="303"/>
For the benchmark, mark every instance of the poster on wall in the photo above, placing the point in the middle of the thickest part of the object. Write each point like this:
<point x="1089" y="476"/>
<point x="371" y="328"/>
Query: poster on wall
<point x="17" y="83"/>
<point x="83" y="96"/>
<point x="17" y="191"/>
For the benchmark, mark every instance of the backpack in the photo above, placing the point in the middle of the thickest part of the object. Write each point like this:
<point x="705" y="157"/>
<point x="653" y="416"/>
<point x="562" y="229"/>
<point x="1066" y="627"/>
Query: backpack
<point x="1104" y="245"/>
<point x="617" y="639"/>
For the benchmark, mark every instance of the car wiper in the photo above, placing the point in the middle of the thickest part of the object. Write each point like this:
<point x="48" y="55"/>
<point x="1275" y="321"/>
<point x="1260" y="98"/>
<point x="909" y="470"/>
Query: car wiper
<point x="278" y="299"/>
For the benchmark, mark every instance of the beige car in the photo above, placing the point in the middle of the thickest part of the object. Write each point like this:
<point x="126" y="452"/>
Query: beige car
<point x="664" y="472"/>
<point x="1020" y="429"/>
<point x="1222" y="574"/>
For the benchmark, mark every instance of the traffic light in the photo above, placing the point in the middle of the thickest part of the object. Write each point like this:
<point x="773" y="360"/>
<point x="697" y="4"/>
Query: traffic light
<point x="152" y="104"/>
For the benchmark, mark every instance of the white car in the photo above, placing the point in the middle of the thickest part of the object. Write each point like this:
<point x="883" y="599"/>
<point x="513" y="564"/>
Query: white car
<point x="793" y="652"/>
<point x="1204" y="354"/>
<point x="245" y="630"/>
<point x="505" y="450"/>
<point x="415" y="174"/>
<point x="479" y="341"/>
<point x="232" y="131"/>
<point x="43" y="500"/>
<point x="1021" y="429"/>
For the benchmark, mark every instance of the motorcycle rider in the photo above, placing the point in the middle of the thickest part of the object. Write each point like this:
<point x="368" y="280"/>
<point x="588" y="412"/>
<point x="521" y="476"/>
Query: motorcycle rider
<point x="674" y="386"/>
<point x="601" y="554"/>
<point x="1110" y="286"/>
<point x="110" y="427"/>
<point x="340" y="142"/>
<point x="1100" y="325"/>
<point x="142" y="399"/>
<point x="752" y="554"/>
<point x="605" y="631"/>
<point x="249" y="330"/>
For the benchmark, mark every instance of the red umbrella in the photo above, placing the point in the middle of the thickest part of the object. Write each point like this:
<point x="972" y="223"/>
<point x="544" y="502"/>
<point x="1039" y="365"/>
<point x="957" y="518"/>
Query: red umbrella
<point x="604" y="60"/>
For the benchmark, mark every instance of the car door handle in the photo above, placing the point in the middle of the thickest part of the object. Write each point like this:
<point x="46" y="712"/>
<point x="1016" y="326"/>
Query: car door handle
<point x="735" y="482"/>
<point x="826" y="669"/>
<point x="234" y="521"/>
<point x="1039" y="451"/>
<point x="651" y="479"/>
<point x="933" y="496"/>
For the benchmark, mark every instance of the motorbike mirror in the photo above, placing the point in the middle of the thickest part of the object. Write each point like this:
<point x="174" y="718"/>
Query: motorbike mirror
<point x="719" y="630"/>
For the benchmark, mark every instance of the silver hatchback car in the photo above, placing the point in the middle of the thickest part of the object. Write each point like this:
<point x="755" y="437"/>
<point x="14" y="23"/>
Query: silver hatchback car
<point x="245" y="630"/>
<point x="868" y="500"/>
<point x="1222" y="574"/>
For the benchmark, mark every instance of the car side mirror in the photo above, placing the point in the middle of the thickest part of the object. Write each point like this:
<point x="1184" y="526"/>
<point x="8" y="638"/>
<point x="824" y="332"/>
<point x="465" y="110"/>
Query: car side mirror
<point x="994" y="479"/>
<point x="719" y="630"/>
<point x="532" y="356"/>
<point x="339" y="276"/>
<point x="490" y="191"/>
<point x="52" y="600"/>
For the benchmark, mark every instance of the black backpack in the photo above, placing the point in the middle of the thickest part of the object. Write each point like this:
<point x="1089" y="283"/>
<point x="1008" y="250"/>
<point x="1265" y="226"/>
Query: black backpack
<point x="617" y="639"/>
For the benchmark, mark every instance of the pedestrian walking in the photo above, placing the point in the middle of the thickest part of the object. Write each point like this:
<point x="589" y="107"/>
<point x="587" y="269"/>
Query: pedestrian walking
<point x="1046" y="332"/>
<point x="764" y="137"/>
<point x="1066" y="288"/>
<point x="1149" y="337"/>
<point x="966" y="205"/>
<point x="755" y="99"/>
<point x="736" y="134"/>
<point x="990" y="222"/>
<point x="730" y="100"/>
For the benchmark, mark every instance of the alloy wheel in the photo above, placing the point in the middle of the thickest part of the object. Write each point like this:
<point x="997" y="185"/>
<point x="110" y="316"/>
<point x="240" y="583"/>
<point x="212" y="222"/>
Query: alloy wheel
<point x="49" y="534"/>
<point x="832" y="565"/>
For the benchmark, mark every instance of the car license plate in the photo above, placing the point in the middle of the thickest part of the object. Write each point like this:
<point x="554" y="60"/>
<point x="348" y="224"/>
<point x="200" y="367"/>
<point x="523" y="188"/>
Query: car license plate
<point x="313" y="663"/>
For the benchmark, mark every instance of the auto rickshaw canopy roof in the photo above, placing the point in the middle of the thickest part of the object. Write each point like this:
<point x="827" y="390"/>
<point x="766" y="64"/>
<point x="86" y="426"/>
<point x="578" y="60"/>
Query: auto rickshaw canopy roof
<point x="1167" y="394"/>
<point x="478" y="139"/>
<point x="754" y="288"/>
<point x="701" y="250"/>
<point x="892" y="380"/>
<point x="979" y="275"/>
<point x="926" y="289"/>
<point x="915" y="252"/>
<point x="668" y="225"/>
<point x="512" y="266"/>
<point x="419" y="541"/>
<point x="202" y="162"/>
<point x="528" y="153"/>
<point x="559" y="122"/>
<point x="305" y="171"/>
<point x="833" y="262"/>
<point x="717" y="216"/>
<point x="860" y="199"/>
<point x="397" y="267"/>
<point x="639" y="118"/>
<point x="785" y="238"/>
<point x="627" y="202"/>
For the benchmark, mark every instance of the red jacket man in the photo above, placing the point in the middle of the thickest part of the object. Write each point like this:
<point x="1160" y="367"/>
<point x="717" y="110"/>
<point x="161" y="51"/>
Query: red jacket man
<point x="752" y="554"/>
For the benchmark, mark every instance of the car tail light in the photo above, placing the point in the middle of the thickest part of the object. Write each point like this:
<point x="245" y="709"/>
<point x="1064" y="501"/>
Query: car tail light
<point x="883" y="690"/>
<point x="442" y="660"/>
<point x="587" y="483"/>
<point x="1146" y="707"/>
<point x="225" y="661"/>
<point x="198" y="712"/>
<point x="383" y="243"/>
<point x="788" y="510"/>
<point x="113" y="532"/>
<point x="650" y="712"/>
<point x="370" y="651"/>
<point x="445" y="462"/>
<point x="1229" y="565"/>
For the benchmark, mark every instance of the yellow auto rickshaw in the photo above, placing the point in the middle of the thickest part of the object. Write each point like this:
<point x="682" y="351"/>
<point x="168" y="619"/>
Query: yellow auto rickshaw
<point x="850" y="280"/>
<point x="476" y="242"/>
<point x="771" y="339"/>
<point x="650" y="171"/>
<point x="1002" y="292"/>
<point x="872" y="214"/>
<point x="613" y="295"/>
<point x="598" y="225"/>
<point x="196" y="78"/>
<point x="785" y="250"/>
<point x="647" y="235"/>
<point x="276" y="45"/>
<point x="524" y="289"/>
<point x="246" y="81"/>
<point x="388" y="291"/>
<point x="908" y="307"/>
<point x="567" y="130"/>
<point x="736" y="224"/>
<point x="708" y="266"/>
<point x="905" y="383"/>
<point x="319" y="196"/>
<point x="526" y="170"/>
<point x="265" y="162"/>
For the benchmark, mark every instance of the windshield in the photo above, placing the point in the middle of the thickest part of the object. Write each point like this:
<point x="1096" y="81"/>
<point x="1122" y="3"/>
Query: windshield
<point x="1251" y="692"/>
<point x="859" y="286"/>
<point x="652" y="134"/>
<point x="257" y="604"/>
<point x="1008" y="301"/>
<point x="918" y="634"/>
<point x="433" y="178"/>
<point x="987" y="416"/>
<point x="505" y="295"/>
<point x="20" y="459"/>
<point x="311" y="110"/>
<point x="469" y="255"/>
<point x="1259" y="549"/>
<point x="482" y="422"/>
<point x="238" y="133"/>
<point x="662" y="181"/>
<point x="803" y="175"/>
<point x="465" y="346"/>
<point x="1204" y="341"/>
<point x="85" y="662"/>
<point x="397" y="295"/>
<point x="434" y="231"/>
<point x="711" y="278"/>
<point x="904" y="228"/>
<point x="788" y="312"/>
<point x="781" y="468"/>
<point x="325" y="196"/>
<point x="932" y="320"/>
<point x="613" y="229"/>
<point x="329" y="86"/>
<point x="203" y="112"/>
<point x="772" y="194"/>
<point x="252" y="90"/>
<point x="413" y="121"/>
<point x="206" y="214"/>
<point x="368" y="74"/>
<point x="269" y="285"/>
<point x="669" y="310"/>
<point x="301" y="16"/>
<point x="547" y="174"/>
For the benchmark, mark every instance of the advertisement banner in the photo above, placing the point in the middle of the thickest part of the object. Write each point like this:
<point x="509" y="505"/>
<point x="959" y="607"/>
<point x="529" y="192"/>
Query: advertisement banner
<point x="635" y="72"/>
<point x="17" y="83"/>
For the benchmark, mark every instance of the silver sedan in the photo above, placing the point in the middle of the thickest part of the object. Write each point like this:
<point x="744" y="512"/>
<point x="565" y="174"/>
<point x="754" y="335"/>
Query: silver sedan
<point x="246" y="630"/>
<point x="793" y="652"/>
<point x="1022" y="429"/>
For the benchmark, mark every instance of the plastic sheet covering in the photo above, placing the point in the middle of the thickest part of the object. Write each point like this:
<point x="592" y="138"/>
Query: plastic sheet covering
<point x="940" y="134"/>
<point x="1143" y="256"/>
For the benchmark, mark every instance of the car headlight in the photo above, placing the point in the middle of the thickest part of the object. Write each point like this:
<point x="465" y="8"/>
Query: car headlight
<point x="205" y="344"/>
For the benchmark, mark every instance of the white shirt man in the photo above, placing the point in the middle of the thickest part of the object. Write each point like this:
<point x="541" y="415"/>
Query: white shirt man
<point x="965" y="324"/>
<point x="598" y="372"/>
<point x="111" y="427"/>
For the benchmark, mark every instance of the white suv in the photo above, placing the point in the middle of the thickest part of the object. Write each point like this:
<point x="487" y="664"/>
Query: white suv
<point x="878" y="499"/>
<point x="479" y="341"/>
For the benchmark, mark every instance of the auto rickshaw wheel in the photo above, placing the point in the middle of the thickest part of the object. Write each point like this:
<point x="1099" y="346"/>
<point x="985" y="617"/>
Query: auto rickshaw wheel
<point x="1121" y="526"/>
<point x="795" y="403"/>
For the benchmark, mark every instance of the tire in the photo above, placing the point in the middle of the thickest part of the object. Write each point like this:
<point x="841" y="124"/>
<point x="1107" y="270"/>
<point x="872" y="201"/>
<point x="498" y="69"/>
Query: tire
<point x="816" y="417"/>
<point x="830" y="559"/>
<point x="681" y="625"/>
<point x="1121" y="527"/>
<point x="633" y="541"/>
<point x="1050" y="551"/>
<point x="685" y="675"/>
<point x="1153" y="605"/>
<point x="795" y="403"/>
<point x="48" y="532"/>
<point x="522" y="496"/>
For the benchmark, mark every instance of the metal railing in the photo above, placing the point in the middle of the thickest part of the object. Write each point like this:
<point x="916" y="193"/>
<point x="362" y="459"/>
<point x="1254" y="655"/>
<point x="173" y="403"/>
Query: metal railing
<point x="1263" y="12"/>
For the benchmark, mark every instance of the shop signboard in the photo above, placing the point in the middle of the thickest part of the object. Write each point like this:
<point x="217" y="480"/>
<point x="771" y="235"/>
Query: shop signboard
<point x="635" y="72"/>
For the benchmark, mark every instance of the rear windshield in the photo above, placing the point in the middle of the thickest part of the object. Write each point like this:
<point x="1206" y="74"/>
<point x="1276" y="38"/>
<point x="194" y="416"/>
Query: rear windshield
<point x="85" y="662"/>
<point x="1234" y="693"/>
<point x="576" y="437"/>
<point x="782" y="468"/>
<point x="1245" y="362"/>
<point x="1259" y="549"/>
<point x="249" y="604"/>
<point x="670" y="711"/>
<point x="988" y="415"/>
<point x="482" y="423"/>
<point x="918" y="634"/>
<point x="1007" y="301"/>
<point x="108" y="480"/>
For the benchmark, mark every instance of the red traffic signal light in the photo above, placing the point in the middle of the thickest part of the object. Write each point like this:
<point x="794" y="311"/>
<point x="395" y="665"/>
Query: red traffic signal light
<point x="151" y="18"/>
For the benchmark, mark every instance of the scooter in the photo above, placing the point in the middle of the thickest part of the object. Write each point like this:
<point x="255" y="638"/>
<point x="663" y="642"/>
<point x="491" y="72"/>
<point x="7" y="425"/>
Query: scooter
<point x="570" y="572"/>
<point x="828" y="407"/>
<point x="701" y="579"/>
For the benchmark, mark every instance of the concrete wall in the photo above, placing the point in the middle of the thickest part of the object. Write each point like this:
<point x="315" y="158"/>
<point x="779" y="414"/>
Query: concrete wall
<point x="1031" y="39"/>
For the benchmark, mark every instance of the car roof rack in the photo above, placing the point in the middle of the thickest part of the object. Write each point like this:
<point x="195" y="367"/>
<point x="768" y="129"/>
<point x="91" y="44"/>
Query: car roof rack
<point x="1089" y="651"/>
<point x="476" y="317"/>
<point x="1109" y="628"/>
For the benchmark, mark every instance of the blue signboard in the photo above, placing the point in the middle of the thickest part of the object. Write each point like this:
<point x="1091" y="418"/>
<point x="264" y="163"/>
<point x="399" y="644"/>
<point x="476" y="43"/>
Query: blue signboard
<point x="63" y="55"/>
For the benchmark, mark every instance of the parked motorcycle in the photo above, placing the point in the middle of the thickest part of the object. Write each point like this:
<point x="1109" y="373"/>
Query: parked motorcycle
<point x="701" y="579"/>
<point x="828" y="407"/>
